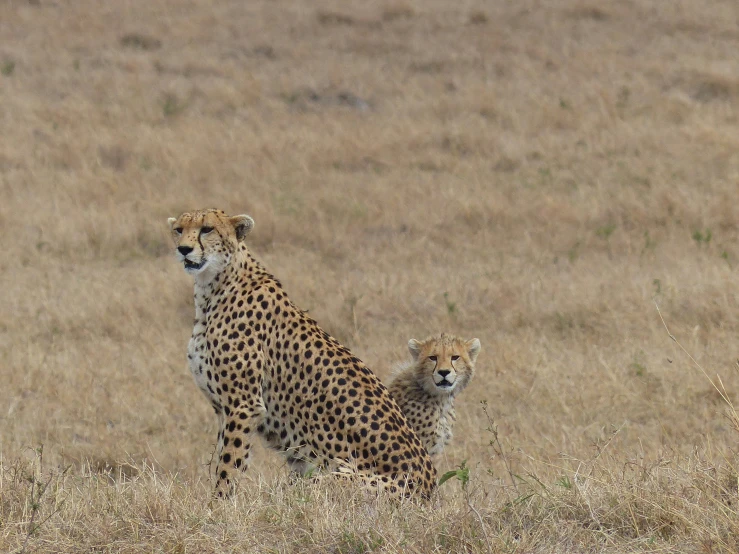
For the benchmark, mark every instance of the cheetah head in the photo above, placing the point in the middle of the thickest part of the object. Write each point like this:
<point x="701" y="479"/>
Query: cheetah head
<point x="444" y="364"/>
<point x="205" y="240"/>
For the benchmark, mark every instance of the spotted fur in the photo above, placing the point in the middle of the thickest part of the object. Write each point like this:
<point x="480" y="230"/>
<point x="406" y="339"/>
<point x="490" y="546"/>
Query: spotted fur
<point x="268" y="369"/>
<point x="425" y="388"/>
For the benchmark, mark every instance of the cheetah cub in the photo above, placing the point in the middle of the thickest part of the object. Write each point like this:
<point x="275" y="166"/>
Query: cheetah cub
<point x="425" y="388"/>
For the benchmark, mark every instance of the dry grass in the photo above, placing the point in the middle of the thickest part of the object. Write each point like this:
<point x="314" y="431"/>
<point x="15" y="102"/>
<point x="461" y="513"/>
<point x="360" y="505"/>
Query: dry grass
<point x="532" y="173"/>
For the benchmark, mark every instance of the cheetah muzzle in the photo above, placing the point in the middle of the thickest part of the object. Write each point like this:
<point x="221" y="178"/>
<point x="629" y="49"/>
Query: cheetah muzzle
<point x="193" y="266"/>
<point x="444" y="384"/>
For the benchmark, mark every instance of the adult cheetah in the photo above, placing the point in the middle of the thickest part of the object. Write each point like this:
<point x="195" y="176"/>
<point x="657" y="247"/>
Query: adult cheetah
<point x="268" y="369"/>
<point x="425" y="388"/>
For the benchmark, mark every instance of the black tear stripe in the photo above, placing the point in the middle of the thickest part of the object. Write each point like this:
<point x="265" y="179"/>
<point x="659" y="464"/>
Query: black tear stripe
<point x="201" y="245"/>
<point x="220" y="236"/>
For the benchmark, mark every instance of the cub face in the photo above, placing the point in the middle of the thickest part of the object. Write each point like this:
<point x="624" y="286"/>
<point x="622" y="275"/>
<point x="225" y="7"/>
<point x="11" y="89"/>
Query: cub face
<point x="444" y="365"/>
<point x="204" y="240"/>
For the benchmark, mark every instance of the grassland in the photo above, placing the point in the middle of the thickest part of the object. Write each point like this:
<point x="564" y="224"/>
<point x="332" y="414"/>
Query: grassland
<point x="536" y="174"/>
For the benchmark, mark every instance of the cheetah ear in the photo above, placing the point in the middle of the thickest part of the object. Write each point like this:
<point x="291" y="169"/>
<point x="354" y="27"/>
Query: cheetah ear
<point x="415" y="348"/>
<point x="171" y="221"/>
<point x="473" y="349"/>
<point x="243" y="224"/>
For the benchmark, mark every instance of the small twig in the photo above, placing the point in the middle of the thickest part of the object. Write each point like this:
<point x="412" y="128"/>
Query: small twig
<point x="47" y="518"/>
<point x="669" y="334"/>
<point x="30" y="524"/>
<point x="602" y="449"/>
<point x="496" y="440"/>
<point x="479" y="518"/>
<point x="722" y="391"/>
<point x="608" y="442"/>
<point x="36" y="499"/>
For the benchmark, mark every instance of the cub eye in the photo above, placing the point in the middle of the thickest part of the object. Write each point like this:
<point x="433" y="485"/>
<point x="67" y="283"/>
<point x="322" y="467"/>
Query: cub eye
<point x="432" y="358"/>
<point x="455" y="358"/>
<point x="178" y="230"/>
<point x="205" y="230"/>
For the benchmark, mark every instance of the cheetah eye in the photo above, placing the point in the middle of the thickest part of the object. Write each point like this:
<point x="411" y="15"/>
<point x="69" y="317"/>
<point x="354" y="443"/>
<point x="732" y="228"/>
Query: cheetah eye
<point x="455" y="358"/>
<point x="178" y="230"/>
<point x="432" y="358"/>
<point x="205" y="230"/>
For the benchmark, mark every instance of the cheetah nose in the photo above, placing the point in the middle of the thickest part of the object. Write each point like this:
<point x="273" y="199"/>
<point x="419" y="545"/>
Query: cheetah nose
<point x="184" y="250"/>
<point x="444" y="372"/>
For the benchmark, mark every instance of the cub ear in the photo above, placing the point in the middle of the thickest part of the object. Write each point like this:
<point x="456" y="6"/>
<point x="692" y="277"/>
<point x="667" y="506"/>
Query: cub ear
<point x="414" y="347"/>
<point x="473" y="349"/>
<point x="171" y="221"/>
<point x="243" y="224"/>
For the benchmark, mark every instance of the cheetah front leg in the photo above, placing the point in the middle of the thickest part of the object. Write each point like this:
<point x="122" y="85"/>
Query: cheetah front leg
<point x="235" y="437"/>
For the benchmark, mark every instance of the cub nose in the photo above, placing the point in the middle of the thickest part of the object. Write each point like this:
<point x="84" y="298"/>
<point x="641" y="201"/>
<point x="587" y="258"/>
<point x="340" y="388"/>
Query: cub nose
<point x="444" y="372"/>
<point x="184" y="250"/>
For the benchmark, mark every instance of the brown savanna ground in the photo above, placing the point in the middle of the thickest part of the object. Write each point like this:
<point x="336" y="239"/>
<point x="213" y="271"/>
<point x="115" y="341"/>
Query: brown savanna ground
<point x="533" y="173"/>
